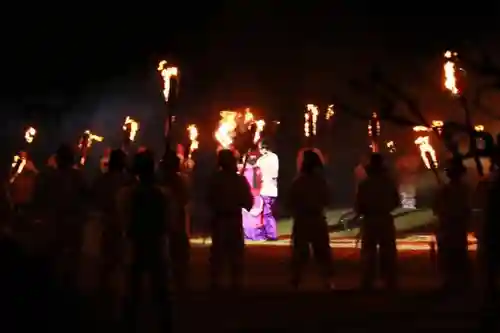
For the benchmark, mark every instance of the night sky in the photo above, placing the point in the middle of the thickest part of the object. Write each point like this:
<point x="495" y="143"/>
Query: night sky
<point x="70" y="68"/>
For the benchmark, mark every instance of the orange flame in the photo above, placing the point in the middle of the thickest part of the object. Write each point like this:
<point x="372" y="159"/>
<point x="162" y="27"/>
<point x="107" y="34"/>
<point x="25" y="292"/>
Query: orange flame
<point x="425" y="148"/>
<point x="310" y="120"/>
<point x="450" y="81"/>
<point x="193" y="137"/>
<point x="29" y="135"/>
<point x="166" y="74"/>
<point x="134" y="127"/>
<point x="227" y="129"/>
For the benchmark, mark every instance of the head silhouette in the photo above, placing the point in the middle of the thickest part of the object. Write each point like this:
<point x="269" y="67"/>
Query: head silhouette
<point x="171" y="162"/>
<point x="226" y="160"/>
<point x="65" y="157"/>
<point x="311" y="162"/>
<point x="376" y="165"/>
<point x="117" y="160"/>
<point x="144" y="166"/>
<point x="455" y="170"/>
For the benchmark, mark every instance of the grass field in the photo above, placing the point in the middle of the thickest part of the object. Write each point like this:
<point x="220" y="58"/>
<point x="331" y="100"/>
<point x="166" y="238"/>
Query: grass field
<point x="414" y="221"/>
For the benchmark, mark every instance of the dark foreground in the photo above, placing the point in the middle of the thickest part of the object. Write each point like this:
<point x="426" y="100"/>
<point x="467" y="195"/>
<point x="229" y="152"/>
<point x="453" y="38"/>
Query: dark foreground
<point x="31" y="302"/>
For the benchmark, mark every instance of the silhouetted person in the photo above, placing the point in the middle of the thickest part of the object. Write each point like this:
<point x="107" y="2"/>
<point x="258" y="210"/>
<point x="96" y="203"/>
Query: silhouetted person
<point x="179" y="246"/>
<point x="228" y="192"/>
<point x="61" y="201"/>
<point x="145" y="212"/>
<point x="489" y="243"/>
<point x="22" y="192"/>
<point x="376" y="198"/>
<point x="106" y="189"/>
<point x="308" y="199"/>
<point x="452" y="206"/>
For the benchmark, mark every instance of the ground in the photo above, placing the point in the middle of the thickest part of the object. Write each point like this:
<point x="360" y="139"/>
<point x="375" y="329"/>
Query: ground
<point x="268" y="303"/>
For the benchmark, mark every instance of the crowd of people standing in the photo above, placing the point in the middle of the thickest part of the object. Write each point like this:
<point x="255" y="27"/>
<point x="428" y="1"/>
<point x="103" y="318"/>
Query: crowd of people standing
<point x="142" y="205"/>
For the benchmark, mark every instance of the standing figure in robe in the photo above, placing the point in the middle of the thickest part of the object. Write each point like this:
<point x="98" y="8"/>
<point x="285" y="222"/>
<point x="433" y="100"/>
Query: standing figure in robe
<point x="268" y="164"/>
<point x="253" y="220"/>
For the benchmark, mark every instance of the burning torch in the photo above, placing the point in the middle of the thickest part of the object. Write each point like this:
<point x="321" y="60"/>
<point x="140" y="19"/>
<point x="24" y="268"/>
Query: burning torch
<point x="194" y="144"/>
<point x="374" y="132"/>
<point x="310" y="120"/>
<point x="20" y="159"/>
<point x="130" y="128"/>
<point x="170" y="76"/>
<point x="427" y="152"/>
<point x="85" y="143"/>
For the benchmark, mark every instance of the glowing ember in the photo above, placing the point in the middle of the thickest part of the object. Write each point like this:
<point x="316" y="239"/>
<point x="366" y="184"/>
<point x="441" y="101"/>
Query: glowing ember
<point x="29" y="135"/>
<point x="193" y="137"/>
<point x="227" y="129"/>
<point x="450" y="81"/>
<point x="166" y="74"/>
<point x="426" y="152"/>
<point x="132" y="127"/>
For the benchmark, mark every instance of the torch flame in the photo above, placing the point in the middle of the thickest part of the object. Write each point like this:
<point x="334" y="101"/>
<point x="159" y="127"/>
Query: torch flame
<point x="314" y="112"/>
<point x="426" y="149"/>
<point x="421" y="129"/>
<point x="330" y="112"/>
<point x="479" y="128"/>
<point x="29" y="135"/>
<point x="450" y="81"/>
<point x="226" y="130"/>
<point x="134" y="127"/>
<point x="20" y="163"/>
<point x="193" y="137"/>
<point x="166" y="74"/>
<point x="92" y="137"/>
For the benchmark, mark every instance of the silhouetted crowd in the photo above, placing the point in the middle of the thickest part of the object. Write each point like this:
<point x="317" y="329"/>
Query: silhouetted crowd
<point x="143" y="214"/>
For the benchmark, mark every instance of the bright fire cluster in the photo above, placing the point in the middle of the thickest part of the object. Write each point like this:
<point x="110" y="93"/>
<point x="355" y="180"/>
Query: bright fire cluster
<point x="427" y="152"/>
<point x="450" y="80"/>
<point x="310" y="120"/>
<point x="29" y="135"/>
<point x="193" y="137"/>
<point x="228" y="124"/>
<point x="132" y="126"/>
<point x="166" y="74"/>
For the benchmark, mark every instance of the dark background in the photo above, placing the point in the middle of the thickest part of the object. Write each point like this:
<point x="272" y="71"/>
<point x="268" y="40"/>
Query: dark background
<point x="68" y="69"/>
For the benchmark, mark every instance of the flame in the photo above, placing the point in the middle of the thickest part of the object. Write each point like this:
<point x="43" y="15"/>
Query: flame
<point x="479" y="128"/>
<point x="29" y="135"/>
<point x="375" y="131"/>
<point x="92" y="137"/>
<point x="193" y="137"/>
<point x="391" y="146"/>
<point x="166" y="74"/>
<point x="450" y="81"/>
<point x="260" y="127"/>
<point x="20" y="163"/>
<point x="133" y="126"/>
<point x="421" y="129"/>
<point x="330" y="112"/>
<point x="425" y="148"/>
<point x="438" y="124"/>
<point x="227" y="129"/>
<point x="313" y="112"/>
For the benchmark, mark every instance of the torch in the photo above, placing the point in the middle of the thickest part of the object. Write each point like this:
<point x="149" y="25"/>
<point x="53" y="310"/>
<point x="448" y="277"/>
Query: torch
<point x="374" y="132"/>
<point x="85" y="143"/>
<point x="310" y="121"/>
<point x="20" y="159"/>
<point x="170" y="76"/>
<point x="130" y="128"/>
<point x="427" y="152"/>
